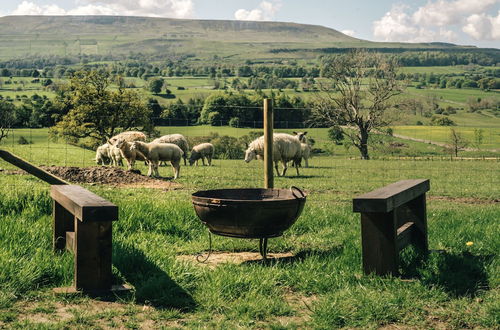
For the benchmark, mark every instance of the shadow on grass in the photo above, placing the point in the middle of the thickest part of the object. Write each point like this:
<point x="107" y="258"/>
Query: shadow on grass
<point x="152" y="285"/>
<point x="459" y="274"/>
<point x="299" y="257"/>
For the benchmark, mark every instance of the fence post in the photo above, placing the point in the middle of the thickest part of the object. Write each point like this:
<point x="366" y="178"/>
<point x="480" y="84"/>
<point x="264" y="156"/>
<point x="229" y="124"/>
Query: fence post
<point x="268" y="144"/>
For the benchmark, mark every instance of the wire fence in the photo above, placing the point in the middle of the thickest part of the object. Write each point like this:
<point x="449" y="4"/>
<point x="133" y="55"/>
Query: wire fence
<point x="335" y="172"/>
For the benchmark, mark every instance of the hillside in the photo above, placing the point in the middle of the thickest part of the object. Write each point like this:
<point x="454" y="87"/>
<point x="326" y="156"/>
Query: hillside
<point x="118" y="35"/>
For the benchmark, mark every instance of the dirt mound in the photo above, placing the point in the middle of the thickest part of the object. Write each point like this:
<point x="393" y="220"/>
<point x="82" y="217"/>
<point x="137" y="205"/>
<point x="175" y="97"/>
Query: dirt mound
<point x="108" y="175"/>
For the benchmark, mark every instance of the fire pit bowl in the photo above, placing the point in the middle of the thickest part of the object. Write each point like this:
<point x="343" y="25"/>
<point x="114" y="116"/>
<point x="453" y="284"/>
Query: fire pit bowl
<point x="249" y="213"/>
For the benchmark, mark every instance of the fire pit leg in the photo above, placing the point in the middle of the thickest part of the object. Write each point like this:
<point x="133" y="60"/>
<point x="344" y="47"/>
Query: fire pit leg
<point x="263" y="247"/>
<point x="198" y="257"/>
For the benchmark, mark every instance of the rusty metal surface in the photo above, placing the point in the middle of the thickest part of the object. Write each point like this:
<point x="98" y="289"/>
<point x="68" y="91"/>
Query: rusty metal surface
<point x="249" y="213"/>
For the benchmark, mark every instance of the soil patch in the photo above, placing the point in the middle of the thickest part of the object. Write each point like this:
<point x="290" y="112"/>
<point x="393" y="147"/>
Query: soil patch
<point x="217" y="258"/>
<point x="110" y="176"/>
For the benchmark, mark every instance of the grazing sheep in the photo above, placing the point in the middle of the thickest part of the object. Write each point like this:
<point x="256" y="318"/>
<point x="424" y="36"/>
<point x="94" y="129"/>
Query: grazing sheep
<point x="129" y="136"/>
<point x="204" y="150"/>
<point x="102" y="155"/>
<point x="156" y="152"/>
<point x="177" y="139"/>
<point x="126" y="152"/>
<point x="115" y="155"/>
<point x="286" y="148"/>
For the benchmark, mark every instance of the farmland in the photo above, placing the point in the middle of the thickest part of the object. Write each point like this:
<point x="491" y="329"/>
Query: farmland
<point x="321" y="286"/>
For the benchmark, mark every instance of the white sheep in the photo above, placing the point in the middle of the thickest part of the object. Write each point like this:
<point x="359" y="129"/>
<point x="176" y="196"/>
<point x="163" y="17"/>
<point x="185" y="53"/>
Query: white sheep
<point x="156" y="152"/>
<point x="102" y="155"/>
<point x="128" y="153"/>
<point x="129" y="136"/>
<point x="286" y="148"/>
<point x="305" y="153"/>
<point x="177" y="139"/>
<point x="115" y="155"/>
<point x="204" y="150"/>
<point x="301" y="136"/>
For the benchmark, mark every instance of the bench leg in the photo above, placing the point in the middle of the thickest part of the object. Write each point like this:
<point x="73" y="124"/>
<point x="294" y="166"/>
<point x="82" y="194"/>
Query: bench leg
<point x="63" y="222"/>
<point x="93" y="251"/>
<point x="419" y="209"/>
<point x="378" y="235"/>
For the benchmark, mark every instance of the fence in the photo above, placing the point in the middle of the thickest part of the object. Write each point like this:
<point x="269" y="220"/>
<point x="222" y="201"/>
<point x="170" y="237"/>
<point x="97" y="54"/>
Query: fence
<point x="335" y="171"/>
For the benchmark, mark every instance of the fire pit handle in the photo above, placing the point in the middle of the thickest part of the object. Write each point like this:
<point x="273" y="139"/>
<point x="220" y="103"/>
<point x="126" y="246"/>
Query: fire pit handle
<point x="296" y="188"/>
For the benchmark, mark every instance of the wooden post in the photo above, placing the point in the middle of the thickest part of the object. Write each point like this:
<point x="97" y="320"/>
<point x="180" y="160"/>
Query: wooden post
<point x="268" y="144"/>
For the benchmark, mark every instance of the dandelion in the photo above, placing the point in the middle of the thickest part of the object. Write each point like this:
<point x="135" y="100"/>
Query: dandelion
<point x="469" y="243"/>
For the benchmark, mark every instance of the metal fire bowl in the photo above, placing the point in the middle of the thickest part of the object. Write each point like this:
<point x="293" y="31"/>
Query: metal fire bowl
<point x="249" y="213"/>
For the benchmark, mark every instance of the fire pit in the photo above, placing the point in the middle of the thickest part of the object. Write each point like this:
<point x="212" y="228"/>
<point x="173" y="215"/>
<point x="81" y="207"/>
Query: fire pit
<point x="249" y="213"/>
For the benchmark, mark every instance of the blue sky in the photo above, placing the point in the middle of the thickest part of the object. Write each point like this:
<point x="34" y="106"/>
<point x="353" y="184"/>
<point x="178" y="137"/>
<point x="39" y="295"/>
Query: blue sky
<point x="465" y="22"/>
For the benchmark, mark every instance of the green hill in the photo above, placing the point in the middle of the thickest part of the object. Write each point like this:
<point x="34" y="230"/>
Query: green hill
<point x="22" y="36"/>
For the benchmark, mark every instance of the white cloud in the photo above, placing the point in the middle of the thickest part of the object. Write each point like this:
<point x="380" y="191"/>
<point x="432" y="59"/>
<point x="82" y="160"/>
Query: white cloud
<point x="437" y="20"/>
<point x="483" y="27"/>
<point x="350" y="33"/>
<point x="265" y="12"/>
<point x="156" y="8"/>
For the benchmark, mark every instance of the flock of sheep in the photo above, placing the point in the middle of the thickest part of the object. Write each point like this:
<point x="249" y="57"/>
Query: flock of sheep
<point x="132" y="146"/>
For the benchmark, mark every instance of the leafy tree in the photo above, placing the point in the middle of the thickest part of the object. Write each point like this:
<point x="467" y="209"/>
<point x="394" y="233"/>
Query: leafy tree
<point x="96" y="111"/>
<point x="7" y="118"/>
<point x="155" y="85"/>
<point x="336" y="135"/>
<point x="364" y="85"/>
<point x="478" y="137"/>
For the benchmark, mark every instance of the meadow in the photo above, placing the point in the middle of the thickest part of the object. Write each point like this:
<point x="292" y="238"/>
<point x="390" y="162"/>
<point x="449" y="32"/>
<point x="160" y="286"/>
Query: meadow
<point x="321" y="286"/>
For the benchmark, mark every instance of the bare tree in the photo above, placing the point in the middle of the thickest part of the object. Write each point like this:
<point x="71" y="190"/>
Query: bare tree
<point x="458" y="142"/>
<point x="7" y="118"/>
<point x="357" y="95"/>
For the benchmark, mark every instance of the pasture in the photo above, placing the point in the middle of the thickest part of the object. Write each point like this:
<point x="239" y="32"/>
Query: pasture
<point x="320" y="285"/>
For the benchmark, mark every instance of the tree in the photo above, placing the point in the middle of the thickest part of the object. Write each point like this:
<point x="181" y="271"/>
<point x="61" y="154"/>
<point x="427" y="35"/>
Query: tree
<point x="7" y="118"/>
<point x="95" y="111"/>
<point x="155" y="85"/>
<point x="478" y="137"/>
<point x="457" y="141"/>
<point x="363" y="86"/>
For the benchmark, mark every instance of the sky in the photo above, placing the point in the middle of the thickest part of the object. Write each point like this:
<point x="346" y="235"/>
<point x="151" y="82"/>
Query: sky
<point x="463" y="22"/>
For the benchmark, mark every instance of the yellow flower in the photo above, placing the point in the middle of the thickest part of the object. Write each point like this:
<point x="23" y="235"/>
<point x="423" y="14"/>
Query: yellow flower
<point x="469" y="243"/>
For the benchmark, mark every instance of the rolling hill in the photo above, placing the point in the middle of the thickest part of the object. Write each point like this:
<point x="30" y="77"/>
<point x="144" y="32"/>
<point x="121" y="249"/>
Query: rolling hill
<point x="22" y="36"/>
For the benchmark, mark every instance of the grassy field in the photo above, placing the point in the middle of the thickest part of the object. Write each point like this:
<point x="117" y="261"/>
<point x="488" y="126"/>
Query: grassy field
<point x="321" y="286"/>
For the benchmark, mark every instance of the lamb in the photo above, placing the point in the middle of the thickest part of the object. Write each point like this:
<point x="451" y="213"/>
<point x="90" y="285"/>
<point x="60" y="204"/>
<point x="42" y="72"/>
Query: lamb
<point x="204" y="150"/>
<point x="115" y="155"/>
<point x="286" y="148"/>
<point x="129" y="136"/>
<point x="156" y="152"/>
<point x="177" y="139"/>
<point x="102" y="155"/>
<point x="305" y="153"/>
<point x="126" y="152"/>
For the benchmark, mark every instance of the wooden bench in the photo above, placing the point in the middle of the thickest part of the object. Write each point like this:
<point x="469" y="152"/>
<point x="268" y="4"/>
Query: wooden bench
<point x="83" y="225"/>
<point x="392" y="217"/>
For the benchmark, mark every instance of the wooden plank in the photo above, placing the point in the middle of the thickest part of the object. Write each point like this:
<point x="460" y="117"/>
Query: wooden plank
<point x="31" y="169"/>
<point x="405" y="235"/>
<point x="268" y="144"/>
<point x="378" y="239"/>
<point x="388" y="198"/>
<point x="85" y="205"/>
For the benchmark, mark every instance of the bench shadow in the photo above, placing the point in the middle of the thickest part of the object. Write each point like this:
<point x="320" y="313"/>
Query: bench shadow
<point x="459" y="274"/>
<point x="152" y="285"/>
<point x="299" y="257"/>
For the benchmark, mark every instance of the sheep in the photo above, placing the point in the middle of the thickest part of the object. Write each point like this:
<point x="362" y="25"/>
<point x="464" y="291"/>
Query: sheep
<point x="126" y="152"/>
<point x="305" y="153"/>
<point x="102" y="155"/>
<point x="286" y="147"/>
<point x="129" y="136"/>
<point x="115" y="155"/>
<point x="177" y="139"/>
<point x="204" y="150"/>
<point x="156" y="152"/>
<point x="301" y="136"/>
